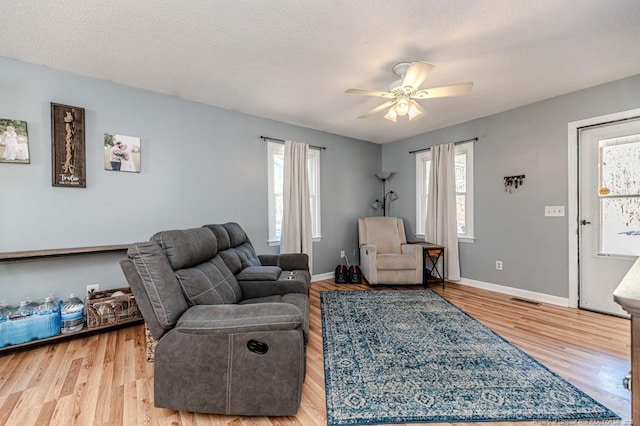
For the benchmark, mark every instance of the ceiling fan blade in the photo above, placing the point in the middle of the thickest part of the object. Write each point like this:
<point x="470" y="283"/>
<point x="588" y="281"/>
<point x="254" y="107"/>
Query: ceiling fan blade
<point x="366" y="92"/>
<point x="443" y="91"/>
<point x="378" y="109"/>
<point x="416" y="74"/>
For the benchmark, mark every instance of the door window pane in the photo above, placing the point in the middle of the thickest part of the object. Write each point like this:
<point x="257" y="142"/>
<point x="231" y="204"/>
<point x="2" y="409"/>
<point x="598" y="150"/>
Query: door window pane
<point x="620" y="166"/>
<point x="620" y="226"/>
<point x="619" y="195"/>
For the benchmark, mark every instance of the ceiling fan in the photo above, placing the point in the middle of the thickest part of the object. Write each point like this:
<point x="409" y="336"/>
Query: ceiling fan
<point x="405" y="92"/>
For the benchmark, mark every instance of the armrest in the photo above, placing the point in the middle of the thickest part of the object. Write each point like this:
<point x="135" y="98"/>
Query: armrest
<point x="414" y="249"/>
<point x="368" y="251"/>
<point x="228" y="319"/>
<point x="259" y="273"/>
<point x="368" y="262"/>
<point x="286" y="261"/>
<point x="255" y="289"/>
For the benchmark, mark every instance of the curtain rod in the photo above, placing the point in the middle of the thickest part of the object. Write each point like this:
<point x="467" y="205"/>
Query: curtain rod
<point x="455" y="143"/>
<point x="267" y="138"/>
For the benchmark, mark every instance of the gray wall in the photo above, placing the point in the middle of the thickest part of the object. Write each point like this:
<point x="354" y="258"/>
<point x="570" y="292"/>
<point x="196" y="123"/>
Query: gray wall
<point x="200" y="165"/>
<point x="530" y="140"/>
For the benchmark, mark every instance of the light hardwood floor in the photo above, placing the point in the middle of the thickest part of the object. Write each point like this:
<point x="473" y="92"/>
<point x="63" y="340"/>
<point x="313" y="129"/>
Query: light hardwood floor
<point x="105" y="379"/>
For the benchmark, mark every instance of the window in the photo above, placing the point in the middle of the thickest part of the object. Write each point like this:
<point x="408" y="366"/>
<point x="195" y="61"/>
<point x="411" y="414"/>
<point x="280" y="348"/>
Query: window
<point x="464" y="190"/>
<point x="275" y="153"/>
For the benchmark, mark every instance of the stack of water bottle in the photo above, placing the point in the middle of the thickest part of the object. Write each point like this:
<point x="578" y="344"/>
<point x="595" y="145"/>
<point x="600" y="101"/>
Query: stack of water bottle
<point x="38" y="320"/>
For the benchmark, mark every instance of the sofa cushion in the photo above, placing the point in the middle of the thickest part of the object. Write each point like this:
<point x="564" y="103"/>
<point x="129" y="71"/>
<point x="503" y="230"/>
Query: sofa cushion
<point x="221" y="234"/>
<point x="237" y="236"/>
<point x="187" y="247"/>
<point x="232" y="260"/>
<point x="259" y="273"/>
<point x="247" y="254"/>
<point x="209" y="283"/>
<point x="396" y="261"/>
<point x="159" y="282"/>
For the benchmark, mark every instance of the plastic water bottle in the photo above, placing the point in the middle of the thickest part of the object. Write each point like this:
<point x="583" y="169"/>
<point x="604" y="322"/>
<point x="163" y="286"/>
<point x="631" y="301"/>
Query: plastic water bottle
<point x="72" y="315"/>
<point x="47" y="319"/>
<point x="4" y="319"/>
<point x="19" y="327"/>
<point x="32" y="304"/>
<point x="4" y="311"/>
<point x="23" y="311"/>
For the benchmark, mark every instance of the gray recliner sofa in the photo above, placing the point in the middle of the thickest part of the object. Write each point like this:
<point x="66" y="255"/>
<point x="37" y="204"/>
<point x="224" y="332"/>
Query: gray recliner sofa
<point x="231" y="326"/>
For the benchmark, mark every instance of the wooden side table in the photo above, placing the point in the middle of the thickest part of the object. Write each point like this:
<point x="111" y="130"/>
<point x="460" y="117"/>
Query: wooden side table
<point x="431" y="254"/>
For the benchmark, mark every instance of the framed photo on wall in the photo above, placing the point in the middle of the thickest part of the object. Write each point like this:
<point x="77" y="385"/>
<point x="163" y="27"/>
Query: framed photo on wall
<point x="67" y="146"/>
<point x="122" y="153"/>
<point x="14" y="141"/>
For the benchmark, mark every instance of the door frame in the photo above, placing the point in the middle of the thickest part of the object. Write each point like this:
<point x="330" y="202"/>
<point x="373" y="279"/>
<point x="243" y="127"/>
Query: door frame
<point x="573" y="142"/>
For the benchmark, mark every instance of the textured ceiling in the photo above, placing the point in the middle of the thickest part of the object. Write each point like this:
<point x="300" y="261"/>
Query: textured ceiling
<point x="292" y="60"/>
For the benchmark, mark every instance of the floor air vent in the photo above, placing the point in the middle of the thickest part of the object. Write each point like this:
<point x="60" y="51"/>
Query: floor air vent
<point x="530" y="302"/>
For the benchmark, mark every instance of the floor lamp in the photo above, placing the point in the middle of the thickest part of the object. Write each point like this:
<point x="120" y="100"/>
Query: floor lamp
<point x="384" y="176"/>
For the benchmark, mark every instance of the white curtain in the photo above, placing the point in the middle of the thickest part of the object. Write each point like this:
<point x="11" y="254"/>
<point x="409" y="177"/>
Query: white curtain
<point x="441" y="224"/>
<point x="296" y="221"/>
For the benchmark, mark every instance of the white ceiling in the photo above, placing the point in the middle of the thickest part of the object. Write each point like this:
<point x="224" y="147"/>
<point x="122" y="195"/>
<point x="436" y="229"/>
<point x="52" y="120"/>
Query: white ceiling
<point x="292" y="60"/>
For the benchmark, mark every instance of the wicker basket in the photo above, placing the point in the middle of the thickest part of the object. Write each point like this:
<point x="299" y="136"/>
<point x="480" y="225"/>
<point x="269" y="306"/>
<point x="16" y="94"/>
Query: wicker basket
<point x="151" y="344"/>
<point x="104" y="309"/>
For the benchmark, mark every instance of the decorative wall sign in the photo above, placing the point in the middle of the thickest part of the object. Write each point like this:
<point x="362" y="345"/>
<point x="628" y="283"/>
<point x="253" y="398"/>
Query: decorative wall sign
<point x="122" y="153"/>
<point x="67" y="146"/>
<point x="14" y="142"/>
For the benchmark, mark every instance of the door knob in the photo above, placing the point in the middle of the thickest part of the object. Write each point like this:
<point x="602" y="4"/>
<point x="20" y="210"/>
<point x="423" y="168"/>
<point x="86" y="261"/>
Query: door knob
<point x="585" y="222"/>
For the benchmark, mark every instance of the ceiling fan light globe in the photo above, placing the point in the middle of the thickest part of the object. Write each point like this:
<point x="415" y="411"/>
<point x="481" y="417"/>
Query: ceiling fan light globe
<point x="414" y="112"/>
<point x="402" y="108"/>
<point x="391" y="115"/>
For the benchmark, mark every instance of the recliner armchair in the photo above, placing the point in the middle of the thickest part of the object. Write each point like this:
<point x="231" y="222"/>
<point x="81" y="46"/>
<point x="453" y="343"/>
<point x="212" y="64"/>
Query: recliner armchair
<point x="385" y="256"/>
<point x="225" y="345"/>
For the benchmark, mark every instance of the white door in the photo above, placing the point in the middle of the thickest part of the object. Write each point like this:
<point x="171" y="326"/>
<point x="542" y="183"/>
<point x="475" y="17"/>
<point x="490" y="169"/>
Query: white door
<point x="609" y="211"/>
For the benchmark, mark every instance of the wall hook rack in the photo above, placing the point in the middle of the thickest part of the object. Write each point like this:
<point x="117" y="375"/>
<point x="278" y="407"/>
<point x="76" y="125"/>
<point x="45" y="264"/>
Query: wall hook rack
<point x="512" y="182"/>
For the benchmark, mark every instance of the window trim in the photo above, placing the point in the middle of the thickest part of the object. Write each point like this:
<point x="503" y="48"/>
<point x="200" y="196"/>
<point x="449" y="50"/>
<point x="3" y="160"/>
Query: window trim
<point x="421" y="158"/>
<point x="313" y="155"/>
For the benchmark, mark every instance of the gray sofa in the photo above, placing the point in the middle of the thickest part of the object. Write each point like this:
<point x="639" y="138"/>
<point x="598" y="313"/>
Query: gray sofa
<point x="231" y="326"/>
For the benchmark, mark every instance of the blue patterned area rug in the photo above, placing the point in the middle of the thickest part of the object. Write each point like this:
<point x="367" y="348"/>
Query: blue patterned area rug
<point x="411" y="356"/>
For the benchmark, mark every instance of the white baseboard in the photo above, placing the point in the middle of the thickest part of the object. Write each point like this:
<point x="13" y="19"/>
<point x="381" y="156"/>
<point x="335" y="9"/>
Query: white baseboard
<point x="525" y="294"/>
<point x="325" y="276"/>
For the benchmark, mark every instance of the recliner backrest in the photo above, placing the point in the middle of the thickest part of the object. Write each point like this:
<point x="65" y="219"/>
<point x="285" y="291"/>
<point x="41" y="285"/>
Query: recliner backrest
<point x="386" y="233"/>
<point x="155" y="286"/>
<point x="203" y="276"/>
<point x="234" y="246"/>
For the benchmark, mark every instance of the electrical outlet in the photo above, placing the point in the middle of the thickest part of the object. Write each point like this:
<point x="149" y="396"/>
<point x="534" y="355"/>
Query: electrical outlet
<point x="93" y="287"/>
<point x="341" y="254"/>
<point x="499" y="265"/>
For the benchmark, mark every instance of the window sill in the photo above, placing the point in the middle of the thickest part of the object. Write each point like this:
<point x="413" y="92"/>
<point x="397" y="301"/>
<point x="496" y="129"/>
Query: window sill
<point x="275" y="243"/>
<point x="460" y="239"/>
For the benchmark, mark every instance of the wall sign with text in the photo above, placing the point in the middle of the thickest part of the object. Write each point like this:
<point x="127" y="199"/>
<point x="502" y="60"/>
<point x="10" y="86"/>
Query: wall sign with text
<point x="67" y="146"/>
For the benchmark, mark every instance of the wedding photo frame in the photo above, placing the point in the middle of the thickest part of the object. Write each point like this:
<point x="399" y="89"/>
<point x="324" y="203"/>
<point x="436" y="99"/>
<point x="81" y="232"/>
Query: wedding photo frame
<point x="67" y="146"/>
<point x="122" y="153"/>
<point x="14" y="141"/>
